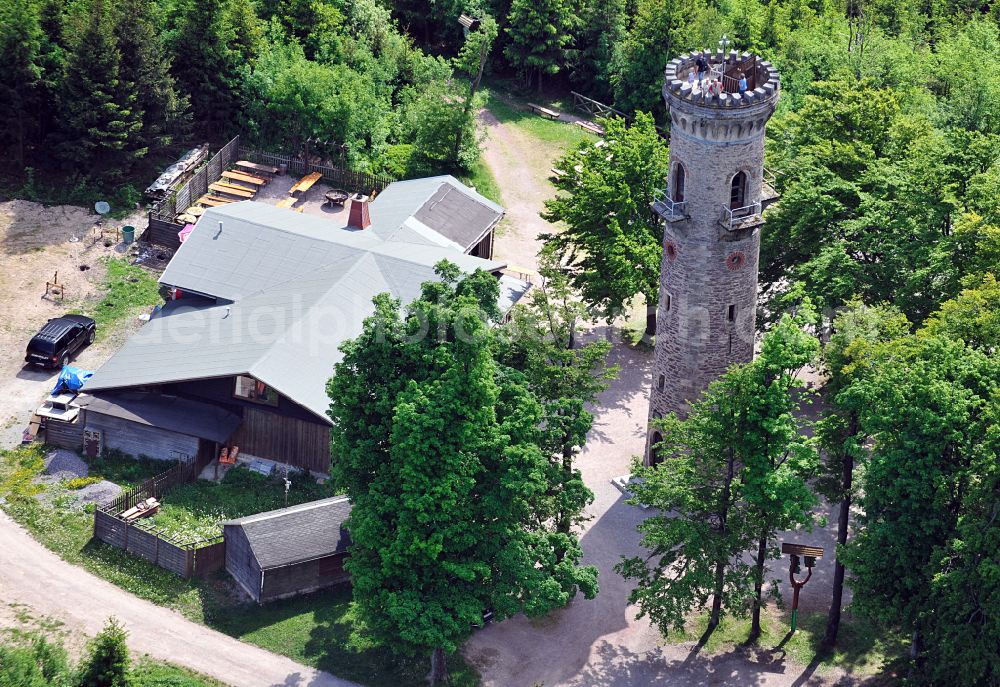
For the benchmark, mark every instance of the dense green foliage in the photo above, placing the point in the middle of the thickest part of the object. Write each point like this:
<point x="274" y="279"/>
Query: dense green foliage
<point x="443" y="453"/>
<point x="733" y="476"/>
<point x="30" y="658"/>
<point x="93" y="87"/>
<point x="611" y="245"/>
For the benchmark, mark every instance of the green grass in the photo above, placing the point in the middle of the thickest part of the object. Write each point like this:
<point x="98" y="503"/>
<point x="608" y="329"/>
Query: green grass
<point x="482" y="179"/>
<point x="322" y="630"/>
<point x="194" y="511"/>
<point x="128" y="291"/>
<point x="146" y="672"/>
<point x="513" y="111"/>
<point x="150" y="673"/>
<point x="126" y="471"/>
<point x="862" y="649"/>
<point x="319" y="630"/>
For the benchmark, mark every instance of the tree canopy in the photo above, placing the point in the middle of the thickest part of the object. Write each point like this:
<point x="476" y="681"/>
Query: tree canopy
<point x="440" y="449"/>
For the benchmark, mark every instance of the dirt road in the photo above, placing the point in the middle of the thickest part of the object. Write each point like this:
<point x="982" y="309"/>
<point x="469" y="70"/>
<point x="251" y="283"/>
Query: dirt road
<point x="600" y="642"/>
<point x="36" y="244"/>
<point x="34" y="576"/>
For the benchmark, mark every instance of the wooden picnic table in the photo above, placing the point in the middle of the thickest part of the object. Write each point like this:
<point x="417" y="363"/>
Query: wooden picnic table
<point x="232" y="189"/>
<point x="305" y="183"/>
<point x="213" y="201"/>
<point x="287" y="202"/>
<point x="245" y="178"/>
<point x="544" y="111"/>
<point x="255" y="167"/>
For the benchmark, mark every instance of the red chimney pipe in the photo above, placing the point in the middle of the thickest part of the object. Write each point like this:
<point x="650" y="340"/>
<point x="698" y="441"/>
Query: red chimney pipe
<point x="359" y="217"/>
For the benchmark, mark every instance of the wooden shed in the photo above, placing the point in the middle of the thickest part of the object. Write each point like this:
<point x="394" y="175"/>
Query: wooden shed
<point x="290" y="551"/>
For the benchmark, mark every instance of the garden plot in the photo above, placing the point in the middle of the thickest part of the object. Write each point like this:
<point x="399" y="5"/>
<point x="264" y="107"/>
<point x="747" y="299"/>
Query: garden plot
<point x="196" y="511"/>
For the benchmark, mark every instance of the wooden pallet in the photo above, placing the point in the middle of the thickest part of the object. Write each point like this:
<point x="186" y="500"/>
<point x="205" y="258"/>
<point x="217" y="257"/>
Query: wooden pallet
<point x="211" y="201"/>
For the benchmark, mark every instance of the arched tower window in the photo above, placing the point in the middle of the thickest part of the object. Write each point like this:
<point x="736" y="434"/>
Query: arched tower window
<point x="738" y="191"/>
<point x="677" y="187"/>
<point x="654" y="452"/>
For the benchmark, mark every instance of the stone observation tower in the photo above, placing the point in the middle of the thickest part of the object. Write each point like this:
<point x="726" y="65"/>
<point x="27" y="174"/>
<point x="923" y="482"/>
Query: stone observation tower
<point x="711" y="208"/>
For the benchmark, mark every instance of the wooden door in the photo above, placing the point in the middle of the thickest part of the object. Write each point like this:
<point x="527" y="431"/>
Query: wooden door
<point x="93" y="441"/>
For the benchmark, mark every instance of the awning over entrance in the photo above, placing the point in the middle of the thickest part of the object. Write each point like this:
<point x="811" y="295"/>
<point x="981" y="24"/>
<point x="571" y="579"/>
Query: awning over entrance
<point x="170" y="413"/>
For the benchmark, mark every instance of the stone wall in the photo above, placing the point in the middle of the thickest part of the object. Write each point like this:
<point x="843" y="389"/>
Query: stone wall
<point x="708" y="286"/>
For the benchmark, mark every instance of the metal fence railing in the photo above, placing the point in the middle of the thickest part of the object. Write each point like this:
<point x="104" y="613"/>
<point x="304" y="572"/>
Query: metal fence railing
<point x="732" y="218"/>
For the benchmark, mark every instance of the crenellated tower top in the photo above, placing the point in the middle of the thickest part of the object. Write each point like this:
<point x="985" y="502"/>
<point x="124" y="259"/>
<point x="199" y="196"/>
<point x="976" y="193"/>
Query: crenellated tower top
<point x="713" y="107"/>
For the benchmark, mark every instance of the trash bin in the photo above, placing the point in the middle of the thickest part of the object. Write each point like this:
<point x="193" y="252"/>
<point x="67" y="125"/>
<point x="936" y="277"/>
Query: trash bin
<point x="128" y="234"/>
<point x="283" y="168"/>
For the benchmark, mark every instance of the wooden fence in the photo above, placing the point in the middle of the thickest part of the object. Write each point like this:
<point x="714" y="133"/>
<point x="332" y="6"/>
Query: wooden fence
<point x="338" y="177"/>
<point x="598" y="109"/>
<point x="163" y="226"/>
<point x="185" y="558"/>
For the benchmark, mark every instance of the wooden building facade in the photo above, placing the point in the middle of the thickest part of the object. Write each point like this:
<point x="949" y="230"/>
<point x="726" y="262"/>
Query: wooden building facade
<point x="290" y="551"/>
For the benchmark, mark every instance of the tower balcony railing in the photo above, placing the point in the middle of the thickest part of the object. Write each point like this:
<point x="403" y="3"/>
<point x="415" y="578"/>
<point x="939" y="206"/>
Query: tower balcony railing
<point x="737" y="218"/>
<point x="666" y="207"/>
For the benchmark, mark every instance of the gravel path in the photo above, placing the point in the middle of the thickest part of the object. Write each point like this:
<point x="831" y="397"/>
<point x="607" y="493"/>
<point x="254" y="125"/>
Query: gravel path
<point x="36" y="577"/>
<point x="600" y="642"/>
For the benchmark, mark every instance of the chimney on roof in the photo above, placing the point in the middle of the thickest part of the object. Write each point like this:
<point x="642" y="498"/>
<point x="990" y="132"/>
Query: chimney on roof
<point x="359" y="217"/>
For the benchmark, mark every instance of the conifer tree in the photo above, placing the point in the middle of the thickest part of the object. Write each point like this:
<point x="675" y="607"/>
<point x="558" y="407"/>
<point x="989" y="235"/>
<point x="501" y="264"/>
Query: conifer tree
<point x="205" y="66"/>
<point x="539" y="32"/>
<point x="107" y="663"/>
<point x="19" y="76"/>
<point x="99" y="120"/>
<point x="144" y="63"/>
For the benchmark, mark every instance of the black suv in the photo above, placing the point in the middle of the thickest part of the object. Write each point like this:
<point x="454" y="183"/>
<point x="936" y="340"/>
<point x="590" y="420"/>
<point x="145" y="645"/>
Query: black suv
<point x="59" y="339"/>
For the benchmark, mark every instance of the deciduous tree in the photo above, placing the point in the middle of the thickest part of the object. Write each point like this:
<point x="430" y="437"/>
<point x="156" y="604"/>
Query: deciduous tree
<point x="612" y="242"/>
<point x="438" y="448"/>
<point x="733" y="475"/>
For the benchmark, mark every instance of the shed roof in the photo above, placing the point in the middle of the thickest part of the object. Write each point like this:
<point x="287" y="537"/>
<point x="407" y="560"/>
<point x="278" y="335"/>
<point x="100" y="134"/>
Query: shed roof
<point x="427" y="210"/>
<point x="166" y="412"/>
<point x="297" y="534"/>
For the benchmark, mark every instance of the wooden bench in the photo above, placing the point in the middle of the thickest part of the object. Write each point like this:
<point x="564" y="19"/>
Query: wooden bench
<point x="590" y="126"/>
<point x="212" y="201"/>
<point x="544" y="111"/>
<point x="305" y="183"/>
<point x="287" y="202"/>
<point x="255" y="167"/>
<point x="245" y="178"/>
<point x="238" y="191"/>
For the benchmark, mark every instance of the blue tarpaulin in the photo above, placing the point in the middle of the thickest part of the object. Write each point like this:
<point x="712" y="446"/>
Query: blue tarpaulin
<point x="71" y="379"/>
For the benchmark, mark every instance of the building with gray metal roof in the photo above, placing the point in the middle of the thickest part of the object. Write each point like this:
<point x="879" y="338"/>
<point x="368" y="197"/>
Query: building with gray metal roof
<point x="266" y="296"/>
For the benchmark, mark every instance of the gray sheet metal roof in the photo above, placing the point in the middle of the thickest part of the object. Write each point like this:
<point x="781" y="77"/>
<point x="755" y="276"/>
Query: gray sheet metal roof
<point x="166" y="412"/>
<point x="427" y="210"/>
<point x="299" y="533"/>
<point x="293" y="288"/>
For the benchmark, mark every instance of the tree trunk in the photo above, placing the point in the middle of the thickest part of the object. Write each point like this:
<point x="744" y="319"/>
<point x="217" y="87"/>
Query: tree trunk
<point x="720" y="566"/>
<point x="843" y="522"/>
<point x="439" y="670"/>
<point x="758" y="586"/>
<point x="473" y="87"/>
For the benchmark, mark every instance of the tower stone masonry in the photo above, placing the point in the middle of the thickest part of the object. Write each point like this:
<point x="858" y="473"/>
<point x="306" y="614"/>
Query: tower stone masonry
<point x="711" y="209"/>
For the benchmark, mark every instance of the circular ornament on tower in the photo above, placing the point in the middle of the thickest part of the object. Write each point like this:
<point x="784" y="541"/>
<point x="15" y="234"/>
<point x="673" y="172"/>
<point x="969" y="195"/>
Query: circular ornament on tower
<point x="670" y="250"/>
<point x="736" y="260"/>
